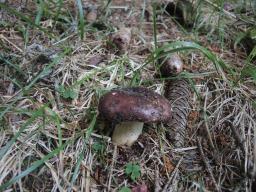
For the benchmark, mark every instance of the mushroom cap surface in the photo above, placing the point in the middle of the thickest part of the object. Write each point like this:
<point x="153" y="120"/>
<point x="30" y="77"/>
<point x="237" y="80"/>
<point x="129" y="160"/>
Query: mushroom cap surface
<point x="121" y="39"/>
<point x="134" y="104"/>
<point x="173" y="65"/>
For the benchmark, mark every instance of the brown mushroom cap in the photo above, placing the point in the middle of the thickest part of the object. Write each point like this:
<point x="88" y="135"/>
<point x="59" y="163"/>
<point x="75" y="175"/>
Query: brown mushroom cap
<point x="134" y="104"/>
<point x="121" y="39"/>
<point x="172" y="65"/>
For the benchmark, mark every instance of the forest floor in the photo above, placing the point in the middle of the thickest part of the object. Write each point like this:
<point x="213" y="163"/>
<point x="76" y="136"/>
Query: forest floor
<point x="56" y="62"/>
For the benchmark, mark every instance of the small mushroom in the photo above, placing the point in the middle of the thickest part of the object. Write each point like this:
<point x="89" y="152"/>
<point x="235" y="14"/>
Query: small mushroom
<point x="121" y="39"/>
<point x="171" y="65"/>
<point x="129" y="109"/>
<point x="92" y="15"/>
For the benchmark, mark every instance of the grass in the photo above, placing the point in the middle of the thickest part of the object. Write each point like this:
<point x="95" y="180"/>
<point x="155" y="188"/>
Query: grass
<point x="25" y="18"/>
<point x="81" y="18"/>
<point x="51" y="137"/>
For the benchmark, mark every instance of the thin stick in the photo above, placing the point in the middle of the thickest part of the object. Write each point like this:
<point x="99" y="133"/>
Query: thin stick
<point x="205" y="121"/>
<point x="4" y="38"/>
<point x="157" y="183"/>
<point x="224" y="11"/>
<point x="89" y="168"/>
<point x="230" y="15"/>
<point x="207" y="165"/>
<point x="88" y="179"/>
<point x="237" y="136"/>
<point x="112" y="166"/>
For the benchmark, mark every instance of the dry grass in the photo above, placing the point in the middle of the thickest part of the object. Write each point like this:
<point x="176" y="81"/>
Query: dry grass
<point x="65" y="137"/>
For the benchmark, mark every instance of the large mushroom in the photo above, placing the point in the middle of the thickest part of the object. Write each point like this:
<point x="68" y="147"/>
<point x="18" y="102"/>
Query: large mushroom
<point x="129" y="109"/>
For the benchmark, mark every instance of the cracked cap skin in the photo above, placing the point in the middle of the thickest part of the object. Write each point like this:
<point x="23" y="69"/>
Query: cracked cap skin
<point x="134" y="104"/>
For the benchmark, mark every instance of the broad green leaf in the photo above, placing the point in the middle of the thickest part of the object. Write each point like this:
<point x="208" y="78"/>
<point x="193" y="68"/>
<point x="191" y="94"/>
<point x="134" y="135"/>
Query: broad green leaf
<point x="67" y="93"/>
<point x="249" y="71"/>
<point x="132" y="170"/>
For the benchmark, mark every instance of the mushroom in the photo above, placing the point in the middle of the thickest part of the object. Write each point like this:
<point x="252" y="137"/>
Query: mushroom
<point x="172" y="65"/>
<point x="121" y="39"/>
<point x="129" y="109"/>
<point x="91" y="17"/>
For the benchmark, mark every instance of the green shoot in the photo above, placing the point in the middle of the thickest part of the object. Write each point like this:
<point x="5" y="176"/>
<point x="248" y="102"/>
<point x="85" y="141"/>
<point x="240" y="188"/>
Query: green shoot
<point x="81" y="22"/>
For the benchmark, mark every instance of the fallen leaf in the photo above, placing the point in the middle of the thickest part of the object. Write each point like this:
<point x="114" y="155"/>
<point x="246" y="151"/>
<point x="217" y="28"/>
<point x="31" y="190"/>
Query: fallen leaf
<point x="168" y="166"/>
<point x="193" y="116"/>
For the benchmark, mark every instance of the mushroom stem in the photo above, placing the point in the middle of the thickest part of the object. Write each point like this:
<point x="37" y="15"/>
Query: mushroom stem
<point x="126" y="133"/>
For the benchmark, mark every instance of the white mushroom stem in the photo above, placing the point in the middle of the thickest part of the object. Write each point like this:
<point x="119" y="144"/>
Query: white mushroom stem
<point x="126" y="133"/>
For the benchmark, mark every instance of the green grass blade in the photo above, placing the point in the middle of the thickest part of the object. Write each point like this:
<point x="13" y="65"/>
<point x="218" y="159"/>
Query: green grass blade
<point x="249" y="70"/>
<point x="31" y="84"/>
<point x="24" y="18"/>
<point x="60" y="4"/>
<point x="57" y="120"/>
<point x="81" y="18"/>
<point x="16" y="67"/>
<point x="81" y="155"/>
<point x="38" y="163"/>
<point x="40" y="11"/>
<point x="185" y="45"/>
<point x="252" y="55"/>
<point x="34" y="166"/>
<point x="36" y="114"/>
<point x="15" y="82"/>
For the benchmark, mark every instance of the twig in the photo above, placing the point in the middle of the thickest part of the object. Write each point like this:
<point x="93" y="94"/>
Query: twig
<point x="230" y="15"/>
<point x="88" y="168"/>
<point x="237" y="136"/>
<point x="7" y="40"/>
<point x="254" y="154"/>
<point x="119" y="7"/>
<point x="207" y="165"/>
<point x="184" y="149"/>
<point x="112" y="166"/>
<point x="157" y="183"/>
<point x="205" y="120"/>
<point x="53" y="171"/>
<point x="57" y="95"/>
<point x="88" y="179"/>
<point x="172" y="178"/>
<point x="108" y="139"/>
